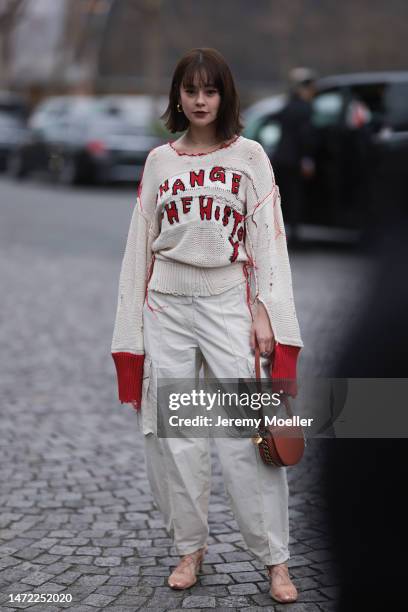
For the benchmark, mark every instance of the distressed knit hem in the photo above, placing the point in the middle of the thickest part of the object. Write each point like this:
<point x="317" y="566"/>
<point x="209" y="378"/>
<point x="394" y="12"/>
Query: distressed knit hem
<point x="129" y="369"/>
<point x="184" y="279"/>
<point x="283" y="369"/>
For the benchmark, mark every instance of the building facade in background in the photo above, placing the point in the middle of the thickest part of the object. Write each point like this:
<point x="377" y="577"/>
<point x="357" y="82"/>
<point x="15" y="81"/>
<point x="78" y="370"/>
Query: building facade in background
<point x="133" y="45"/>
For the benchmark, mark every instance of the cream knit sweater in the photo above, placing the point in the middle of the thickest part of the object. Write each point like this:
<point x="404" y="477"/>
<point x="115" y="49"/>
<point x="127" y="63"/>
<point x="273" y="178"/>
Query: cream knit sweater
<point x="202" y="224"/>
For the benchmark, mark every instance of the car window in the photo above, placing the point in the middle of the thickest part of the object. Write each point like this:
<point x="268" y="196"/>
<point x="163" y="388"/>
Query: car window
<point x="372" y="95"/>
<point x="327" y="108"/>
<point x="8" y="120"/>
<point x="56" y="110"/>
<point x="119" y="127"/>
<point x="132" y="110"/>
<point x="52" y="106"/>
<point x="15" y="105"/>
<point x="395" y="102"/>
<point x="269" y="133"/>
<point x="48" y="111"/>
<point x="80" y="108"/>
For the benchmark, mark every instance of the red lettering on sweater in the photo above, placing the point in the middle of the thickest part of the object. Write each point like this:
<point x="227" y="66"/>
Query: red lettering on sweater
<point x="186" y="202"/>
<point x="226" y="216"/>
<point x="208" y="212"/>
<point x="172" y="212"/>
<point x="164" y="187"/>
<point x="196" y="178"/>
<point x="217" y="174"/>
<point x="178" y="185"/>
<point x="206" y="209"/>
<point x="235" y="246"/>
<point x="237" y="219"/>
<point x="236" y="180"/>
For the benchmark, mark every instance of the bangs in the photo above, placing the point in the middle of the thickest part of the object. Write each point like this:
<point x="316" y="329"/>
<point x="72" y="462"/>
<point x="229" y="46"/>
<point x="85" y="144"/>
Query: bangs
<point x="207" y="73"/>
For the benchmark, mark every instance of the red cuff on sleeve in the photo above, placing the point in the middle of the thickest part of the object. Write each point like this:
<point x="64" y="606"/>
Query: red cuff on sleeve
<point x="283" y="368"/>
<point x="129" y="369"/>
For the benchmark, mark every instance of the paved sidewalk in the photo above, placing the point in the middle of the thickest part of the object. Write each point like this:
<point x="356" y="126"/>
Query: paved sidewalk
<point x="77" y="515"/>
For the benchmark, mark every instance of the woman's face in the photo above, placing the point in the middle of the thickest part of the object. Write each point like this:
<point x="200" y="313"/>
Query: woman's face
<point x="205" y="99"/>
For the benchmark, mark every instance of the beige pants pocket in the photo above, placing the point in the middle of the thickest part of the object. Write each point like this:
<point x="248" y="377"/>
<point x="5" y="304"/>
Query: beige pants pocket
<point x="148" y="397"/>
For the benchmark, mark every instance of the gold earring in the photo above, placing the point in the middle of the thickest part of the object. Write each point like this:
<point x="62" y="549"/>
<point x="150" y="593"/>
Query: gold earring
<point x="180" y="110"/>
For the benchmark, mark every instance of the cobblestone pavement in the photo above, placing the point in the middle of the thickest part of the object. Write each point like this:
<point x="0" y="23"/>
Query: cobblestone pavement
<point x="77" y="515"/>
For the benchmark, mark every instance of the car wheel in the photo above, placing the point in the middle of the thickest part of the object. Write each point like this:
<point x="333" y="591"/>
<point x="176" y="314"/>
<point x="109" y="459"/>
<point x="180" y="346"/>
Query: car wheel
<point x="15" y="166"/>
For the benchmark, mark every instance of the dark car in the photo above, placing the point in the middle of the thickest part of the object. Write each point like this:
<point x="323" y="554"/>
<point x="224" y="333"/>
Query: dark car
<point x="47" y="125"/>
<point x="362" y="134"/>
<point x="13" y="116"/>
<point x="12" y="134"/>
<point x="105" y="139"/>
<point x="114" y="143"/>
<point x="14" y="104"/>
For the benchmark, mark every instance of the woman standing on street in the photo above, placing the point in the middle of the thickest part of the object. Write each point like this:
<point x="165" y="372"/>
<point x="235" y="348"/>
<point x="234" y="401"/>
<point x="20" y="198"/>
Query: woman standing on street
<point x="205" y="275"/>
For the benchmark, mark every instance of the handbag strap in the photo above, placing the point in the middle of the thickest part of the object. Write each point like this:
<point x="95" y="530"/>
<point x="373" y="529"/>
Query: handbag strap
<point x="258" y="376"/>
<point x="284" y="397"/>
<point x="257" y="360"/>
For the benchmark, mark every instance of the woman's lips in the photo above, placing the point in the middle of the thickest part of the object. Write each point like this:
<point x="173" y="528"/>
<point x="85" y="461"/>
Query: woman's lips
<point x="200" y="113"/>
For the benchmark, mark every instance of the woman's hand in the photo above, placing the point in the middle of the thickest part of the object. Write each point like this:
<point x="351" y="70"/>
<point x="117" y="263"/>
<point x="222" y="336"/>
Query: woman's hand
<point x="261" y="330"/>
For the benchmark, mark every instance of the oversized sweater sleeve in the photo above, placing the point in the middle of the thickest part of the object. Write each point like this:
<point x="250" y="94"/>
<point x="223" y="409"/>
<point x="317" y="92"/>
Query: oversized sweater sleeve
<point x="266" y="243"/>
<point x="127" y="347"/>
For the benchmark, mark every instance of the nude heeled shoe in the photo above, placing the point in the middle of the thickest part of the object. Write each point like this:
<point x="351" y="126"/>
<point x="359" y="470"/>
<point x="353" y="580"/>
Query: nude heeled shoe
<point x="185" y="574"/>
<point x="282" y="588"/>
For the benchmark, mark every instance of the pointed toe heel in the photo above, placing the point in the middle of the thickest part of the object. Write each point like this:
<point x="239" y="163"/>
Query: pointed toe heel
<point x="282" y="588"/>
<point x="185" y="574"/>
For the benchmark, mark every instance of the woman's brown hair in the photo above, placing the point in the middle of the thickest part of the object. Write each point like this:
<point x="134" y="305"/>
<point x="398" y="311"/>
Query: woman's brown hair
<point x="213" y="70"/>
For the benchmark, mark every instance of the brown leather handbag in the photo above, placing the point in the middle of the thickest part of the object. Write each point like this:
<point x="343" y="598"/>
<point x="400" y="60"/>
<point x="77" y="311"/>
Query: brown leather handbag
<point x="279" y="445"/>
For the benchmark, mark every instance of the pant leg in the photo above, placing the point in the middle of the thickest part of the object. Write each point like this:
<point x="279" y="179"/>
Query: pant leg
<point x="258" y="493"/>
<point x="178" y="469"/>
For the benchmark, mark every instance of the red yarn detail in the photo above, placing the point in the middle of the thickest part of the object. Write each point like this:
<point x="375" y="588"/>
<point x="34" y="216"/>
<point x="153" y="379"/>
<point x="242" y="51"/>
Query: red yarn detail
<point x="274" y="188"/>
<point x="250" y="264"/>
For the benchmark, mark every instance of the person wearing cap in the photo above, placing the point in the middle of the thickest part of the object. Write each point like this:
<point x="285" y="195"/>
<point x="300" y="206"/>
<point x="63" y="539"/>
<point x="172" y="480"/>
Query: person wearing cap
<point x="294" y="158"/>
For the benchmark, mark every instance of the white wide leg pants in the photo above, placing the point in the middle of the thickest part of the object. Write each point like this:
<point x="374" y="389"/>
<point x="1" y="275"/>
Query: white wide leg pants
<point x="187" y="332"/>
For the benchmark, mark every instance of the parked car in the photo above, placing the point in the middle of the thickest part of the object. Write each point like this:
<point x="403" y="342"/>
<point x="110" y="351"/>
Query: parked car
<point x="92" y="139"/>
<point x="12" y="134"/>
<point x="48" y="124"/>
<point x="14" y="104"/>
<point x="114" y="144"/>
<point x="13" y="115"/>
<point x="362" y="125"/>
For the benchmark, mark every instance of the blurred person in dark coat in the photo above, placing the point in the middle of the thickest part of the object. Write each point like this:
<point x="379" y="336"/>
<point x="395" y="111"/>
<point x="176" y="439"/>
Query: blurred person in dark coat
<point x="294" y="157"/>
<point x="366" y="478"/>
